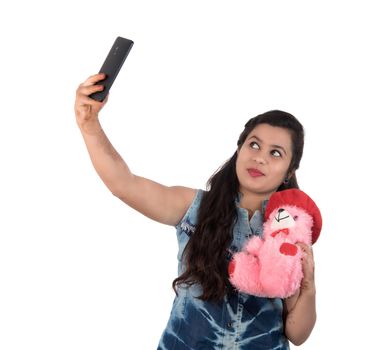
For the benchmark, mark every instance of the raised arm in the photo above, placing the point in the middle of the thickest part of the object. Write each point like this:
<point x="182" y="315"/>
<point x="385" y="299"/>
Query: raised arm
<point x="158" y="202"/>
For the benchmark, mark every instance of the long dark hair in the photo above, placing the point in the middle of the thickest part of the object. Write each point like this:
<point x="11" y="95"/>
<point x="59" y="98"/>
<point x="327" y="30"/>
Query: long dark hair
<point x="205" y="253"/>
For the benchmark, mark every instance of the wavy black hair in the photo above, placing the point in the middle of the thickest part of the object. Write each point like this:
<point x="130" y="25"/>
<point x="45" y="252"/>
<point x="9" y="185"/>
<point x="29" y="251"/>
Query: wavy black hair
<point x="205" y="253"/>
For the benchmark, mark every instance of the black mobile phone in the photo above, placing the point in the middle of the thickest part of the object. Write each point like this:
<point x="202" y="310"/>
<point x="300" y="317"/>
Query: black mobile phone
<point x="112" y="65"/>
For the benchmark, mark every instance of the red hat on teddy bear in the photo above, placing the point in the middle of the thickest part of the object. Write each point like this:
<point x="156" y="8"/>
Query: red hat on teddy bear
<point x="298" y="198"/>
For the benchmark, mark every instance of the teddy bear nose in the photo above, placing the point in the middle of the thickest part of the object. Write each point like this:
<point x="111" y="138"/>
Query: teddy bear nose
<point x="281" y="210"/>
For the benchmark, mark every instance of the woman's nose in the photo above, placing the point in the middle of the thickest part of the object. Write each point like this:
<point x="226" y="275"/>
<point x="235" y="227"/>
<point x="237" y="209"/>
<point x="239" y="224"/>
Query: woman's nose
<point x="259" y="158"/>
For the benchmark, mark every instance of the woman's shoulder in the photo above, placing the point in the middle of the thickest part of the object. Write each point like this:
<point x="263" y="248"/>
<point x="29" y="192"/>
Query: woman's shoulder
<point x="193" y="199"/>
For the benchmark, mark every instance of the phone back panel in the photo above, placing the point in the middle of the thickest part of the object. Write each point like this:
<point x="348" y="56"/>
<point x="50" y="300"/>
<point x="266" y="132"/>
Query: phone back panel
<point x="112" y="65"/>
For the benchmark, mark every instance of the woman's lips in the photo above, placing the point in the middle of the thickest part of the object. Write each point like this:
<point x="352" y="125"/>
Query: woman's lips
<point x="255" y="172"/>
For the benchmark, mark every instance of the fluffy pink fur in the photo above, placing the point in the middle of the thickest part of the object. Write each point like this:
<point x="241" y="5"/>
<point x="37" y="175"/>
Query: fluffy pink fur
<point x="271" y="266"/>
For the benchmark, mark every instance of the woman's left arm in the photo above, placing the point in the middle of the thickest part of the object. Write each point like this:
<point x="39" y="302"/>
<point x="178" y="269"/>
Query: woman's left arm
<point x="301" y="307"/>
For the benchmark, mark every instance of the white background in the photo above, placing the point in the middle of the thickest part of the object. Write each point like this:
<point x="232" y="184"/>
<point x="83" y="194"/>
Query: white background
<point x="81" y="270"/>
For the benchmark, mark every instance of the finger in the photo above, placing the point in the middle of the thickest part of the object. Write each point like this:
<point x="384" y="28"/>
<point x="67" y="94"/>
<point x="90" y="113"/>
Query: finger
<point x="88" y="90"/>
<point x="309" y="250"/>
<point x="86" y="100"/>
<point x="304" y="247"/>
<point x="301" y="246"/>
<point x="105" y="100"/>
<point x="93" y="79"/>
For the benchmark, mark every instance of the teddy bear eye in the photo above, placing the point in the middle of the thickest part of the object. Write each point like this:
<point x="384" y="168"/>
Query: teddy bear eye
<point x="295" y="217"/>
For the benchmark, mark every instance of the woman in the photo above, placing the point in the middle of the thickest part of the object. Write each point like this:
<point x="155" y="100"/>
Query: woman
<point x="211" y="225"/>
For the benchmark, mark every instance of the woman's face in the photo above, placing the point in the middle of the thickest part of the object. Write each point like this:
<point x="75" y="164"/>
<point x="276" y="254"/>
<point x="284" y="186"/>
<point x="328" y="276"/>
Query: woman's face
<point x="263" y="160"/>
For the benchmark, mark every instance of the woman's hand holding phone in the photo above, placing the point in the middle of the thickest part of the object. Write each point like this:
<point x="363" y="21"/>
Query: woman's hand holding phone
<point x="91" y="96"/>
<point x="87" y="109"/>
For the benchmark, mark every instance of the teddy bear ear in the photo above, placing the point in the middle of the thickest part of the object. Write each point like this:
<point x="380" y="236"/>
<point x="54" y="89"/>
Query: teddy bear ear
<point x="300" y="199"/>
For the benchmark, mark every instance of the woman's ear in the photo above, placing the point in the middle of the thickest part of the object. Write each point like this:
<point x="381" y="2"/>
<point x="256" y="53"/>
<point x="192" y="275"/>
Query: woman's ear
<point x="288" y="177"/>
<point x="291" y="174"/>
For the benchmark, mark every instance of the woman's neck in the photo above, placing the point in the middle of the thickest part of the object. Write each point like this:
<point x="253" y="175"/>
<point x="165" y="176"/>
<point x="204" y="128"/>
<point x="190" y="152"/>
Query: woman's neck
<point x="251" y="202"/>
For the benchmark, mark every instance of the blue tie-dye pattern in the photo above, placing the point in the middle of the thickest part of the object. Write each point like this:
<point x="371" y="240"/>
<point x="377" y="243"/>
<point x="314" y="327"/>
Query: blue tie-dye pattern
<point x="240" y="321"/>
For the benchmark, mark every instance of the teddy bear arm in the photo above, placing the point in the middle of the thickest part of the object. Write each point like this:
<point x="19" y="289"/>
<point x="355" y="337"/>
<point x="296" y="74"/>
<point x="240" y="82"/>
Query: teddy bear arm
<point x="254" y="245"/>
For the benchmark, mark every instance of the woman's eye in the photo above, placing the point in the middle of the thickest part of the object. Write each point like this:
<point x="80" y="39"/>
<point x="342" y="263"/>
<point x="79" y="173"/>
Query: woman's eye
<point x="276" y="153"/>
<point x="254" y="145"/>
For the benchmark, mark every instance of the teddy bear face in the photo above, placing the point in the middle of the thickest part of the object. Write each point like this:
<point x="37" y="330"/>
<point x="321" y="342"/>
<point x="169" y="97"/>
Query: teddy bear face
<point x="292" y="223"/>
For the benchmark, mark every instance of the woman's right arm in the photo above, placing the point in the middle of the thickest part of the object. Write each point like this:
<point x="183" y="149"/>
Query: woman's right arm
<point x="158" y="202"/>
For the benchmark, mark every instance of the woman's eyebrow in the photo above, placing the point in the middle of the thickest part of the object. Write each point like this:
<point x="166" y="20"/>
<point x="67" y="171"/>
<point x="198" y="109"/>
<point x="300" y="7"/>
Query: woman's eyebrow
<point x="275" y="146"/>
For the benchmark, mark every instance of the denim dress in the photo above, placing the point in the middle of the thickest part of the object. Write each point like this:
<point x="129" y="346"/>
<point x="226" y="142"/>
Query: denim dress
<point x="240" y="321"/>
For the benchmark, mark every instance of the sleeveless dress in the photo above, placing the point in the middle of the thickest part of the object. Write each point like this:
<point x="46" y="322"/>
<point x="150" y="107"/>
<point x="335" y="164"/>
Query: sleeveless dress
<point x="240" y="321"/>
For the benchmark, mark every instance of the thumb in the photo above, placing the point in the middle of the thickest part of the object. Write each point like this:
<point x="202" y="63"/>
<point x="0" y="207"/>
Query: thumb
<point x="105" y="100"/>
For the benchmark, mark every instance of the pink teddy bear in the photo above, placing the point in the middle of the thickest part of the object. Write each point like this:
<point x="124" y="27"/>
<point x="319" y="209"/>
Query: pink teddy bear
<point x="270" y="266"/>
